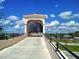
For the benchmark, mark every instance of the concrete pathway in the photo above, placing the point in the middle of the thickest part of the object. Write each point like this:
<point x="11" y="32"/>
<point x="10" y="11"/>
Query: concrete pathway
<point x="29" y="48"/>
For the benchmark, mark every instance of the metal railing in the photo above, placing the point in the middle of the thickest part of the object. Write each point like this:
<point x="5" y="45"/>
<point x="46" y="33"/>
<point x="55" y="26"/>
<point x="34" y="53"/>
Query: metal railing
<point x="56" y="47"/>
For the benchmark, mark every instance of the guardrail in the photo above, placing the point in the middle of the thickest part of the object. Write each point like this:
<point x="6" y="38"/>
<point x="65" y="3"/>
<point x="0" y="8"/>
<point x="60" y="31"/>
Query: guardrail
<point x="56" y="47"/>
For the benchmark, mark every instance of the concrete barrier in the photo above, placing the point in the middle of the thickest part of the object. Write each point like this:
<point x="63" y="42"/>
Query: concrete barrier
<point x="10" y="42"/>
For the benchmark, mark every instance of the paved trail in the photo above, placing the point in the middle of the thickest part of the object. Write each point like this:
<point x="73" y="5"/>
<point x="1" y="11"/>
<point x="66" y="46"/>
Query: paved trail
<point x="29" y="48"/>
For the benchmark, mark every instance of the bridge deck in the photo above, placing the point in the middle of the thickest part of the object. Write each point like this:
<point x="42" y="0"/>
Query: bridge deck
<point x="29" y="48"/>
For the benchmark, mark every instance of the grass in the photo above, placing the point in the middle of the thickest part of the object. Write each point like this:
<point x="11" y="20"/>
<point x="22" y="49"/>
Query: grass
<point x="68" y="41"/>
<point x="71" y="48"/>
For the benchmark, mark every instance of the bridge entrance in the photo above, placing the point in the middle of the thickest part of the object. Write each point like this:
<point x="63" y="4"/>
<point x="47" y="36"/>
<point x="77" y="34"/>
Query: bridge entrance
<point x="34" y="24"/>
<point x="35" y="27"/>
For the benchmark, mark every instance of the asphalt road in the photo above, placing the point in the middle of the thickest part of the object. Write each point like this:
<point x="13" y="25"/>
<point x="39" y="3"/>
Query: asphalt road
<point x="29" y="48"/>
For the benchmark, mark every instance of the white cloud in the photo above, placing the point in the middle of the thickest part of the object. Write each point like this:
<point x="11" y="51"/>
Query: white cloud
<point x="77" y="24"/>
<point x="52" y="15"/>
<point x="65" y="15"/>
<point x="46" y="16"/>
<point x="63" y="24"/>
<point x="6" y="22"/>
<point x="62" y="27"/>
<point x="16" y="26"/>
<point x="47" y="24"/>
<point x="75" y="15"/>
<point x="21" y="27"/>
<point x="68" y="15"/>
<point x="21" y="22"/>
<point x="51" y="25"/>
<point x="2" y="1"/>
<point x="68" y="27"/>
<point x="0" y="22"/>
<point x="71" y="23"/>
<point x="11" y="23"/>
<point x="75" y="28"/>
<point x="13" y="18"/>
<point x="54" y="23"/>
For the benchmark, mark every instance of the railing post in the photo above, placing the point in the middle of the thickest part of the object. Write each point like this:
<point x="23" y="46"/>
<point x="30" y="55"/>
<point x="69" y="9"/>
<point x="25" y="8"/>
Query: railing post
<point x="50" y="39"/>
<point x="56" y="46"/>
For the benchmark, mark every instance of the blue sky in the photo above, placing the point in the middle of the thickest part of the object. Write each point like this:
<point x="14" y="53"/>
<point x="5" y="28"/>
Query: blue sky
<point x="63" y="15"/>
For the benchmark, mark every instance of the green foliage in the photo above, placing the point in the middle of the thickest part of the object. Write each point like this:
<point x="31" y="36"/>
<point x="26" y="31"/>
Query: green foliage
<point x="76" y="33"/>
<point x="4" y="36"/>
<point x="71" y="48"/>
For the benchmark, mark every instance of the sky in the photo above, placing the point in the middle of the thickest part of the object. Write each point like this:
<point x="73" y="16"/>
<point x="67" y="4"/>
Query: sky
<point x="63" y="15"/>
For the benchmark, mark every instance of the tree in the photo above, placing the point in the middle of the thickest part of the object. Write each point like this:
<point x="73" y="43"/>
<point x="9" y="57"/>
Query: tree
<point x="1" y="17"/>
<point x="76" y="33"/>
